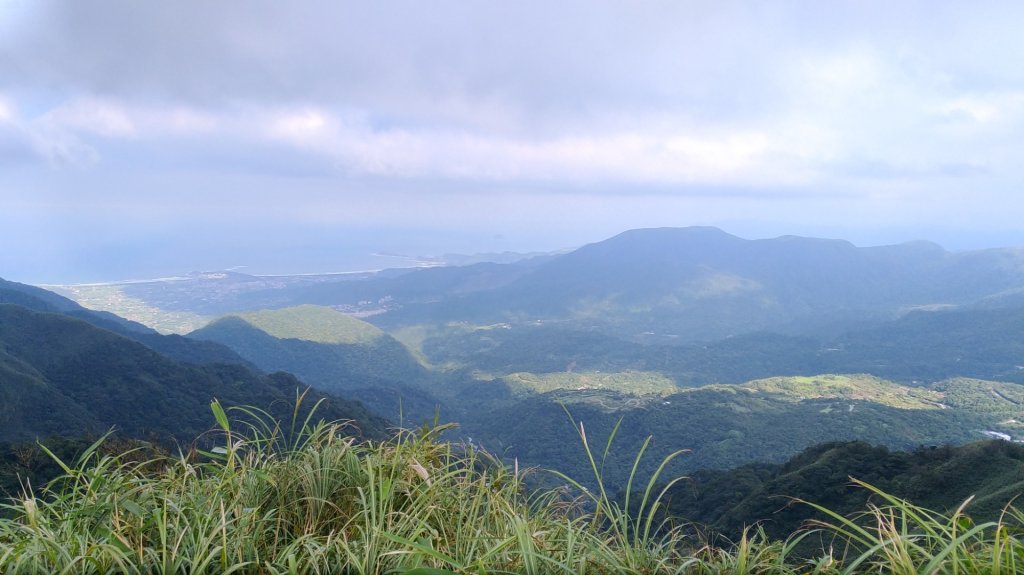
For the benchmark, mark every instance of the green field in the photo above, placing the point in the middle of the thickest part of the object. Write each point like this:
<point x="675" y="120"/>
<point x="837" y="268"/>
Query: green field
<point x="111" y="298"/>
<point x="628" y="382"/>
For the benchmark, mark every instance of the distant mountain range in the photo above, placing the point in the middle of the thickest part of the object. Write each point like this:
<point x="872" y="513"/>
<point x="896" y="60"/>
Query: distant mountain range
<point x="668" y="285"/>
<point x="683" y="284"/>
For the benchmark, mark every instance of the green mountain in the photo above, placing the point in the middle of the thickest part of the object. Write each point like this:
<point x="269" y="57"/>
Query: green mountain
<point x="64" y="376"/>
<point x="44" y="300"/>
<point x="312" y="323"/>
<point x="329" y="350"/>
<point x="681" y="284"/>
<point x="172" y="346"/>
<point x="940" y="478"/>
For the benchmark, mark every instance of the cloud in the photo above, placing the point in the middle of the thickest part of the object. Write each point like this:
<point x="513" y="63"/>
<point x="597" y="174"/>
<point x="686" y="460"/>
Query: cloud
<point x="779" y="115"/>
<point x="650" y="94"/>
<point x="91" y="116"/>
<point x="7" y="113"/>
<point x="73" y="132"/>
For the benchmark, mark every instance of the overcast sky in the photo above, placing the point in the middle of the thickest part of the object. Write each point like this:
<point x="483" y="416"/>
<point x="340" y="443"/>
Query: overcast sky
<point x="154" y="138"/>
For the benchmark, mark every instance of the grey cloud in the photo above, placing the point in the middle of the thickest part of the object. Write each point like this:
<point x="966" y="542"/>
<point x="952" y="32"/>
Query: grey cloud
<point x="536" y="61"/>
<point x="498" y="65"/>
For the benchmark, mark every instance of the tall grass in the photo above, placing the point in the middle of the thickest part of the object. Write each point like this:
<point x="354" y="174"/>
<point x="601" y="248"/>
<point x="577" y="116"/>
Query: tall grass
<point x="640" y="538"/>
<point x="304" y="497"/>
<point x="895" y="536"/>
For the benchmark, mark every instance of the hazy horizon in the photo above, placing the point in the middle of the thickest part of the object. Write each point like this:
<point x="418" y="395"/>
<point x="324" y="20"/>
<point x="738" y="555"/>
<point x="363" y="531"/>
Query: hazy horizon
<point x="337" y="261"/>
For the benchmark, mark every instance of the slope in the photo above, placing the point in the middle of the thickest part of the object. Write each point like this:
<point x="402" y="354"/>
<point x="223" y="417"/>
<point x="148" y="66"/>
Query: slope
<point x="940" y="478"/>
<point x="173" y="346"/>
<point x="724" y="426"/>
<point x="66" y="376"/>
<point x="919" y="346"/>
<point x="681" y="284"/>
<point x="329" y="350"/>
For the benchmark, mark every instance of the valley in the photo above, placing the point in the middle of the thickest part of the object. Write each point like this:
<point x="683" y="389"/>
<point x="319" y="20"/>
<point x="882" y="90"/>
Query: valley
<point x="461" y="288"/>
<point x="737" y="350"/>
<point x="777" y="367"/>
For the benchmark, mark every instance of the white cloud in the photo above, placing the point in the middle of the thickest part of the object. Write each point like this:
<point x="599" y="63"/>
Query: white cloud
<point x="180" y="121"/>
<point x="90" y="116"/>
<point x="7" y="111"/>
<point x="112" y="119"/>
<point x="302" y="128"/>
<point x="74" y="132"/>
<point x="985" y="108"/>
<point x="647" y="154"/>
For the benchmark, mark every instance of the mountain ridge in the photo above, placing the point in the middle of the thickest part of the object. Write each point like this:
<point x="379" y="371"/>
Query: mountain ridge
<point x="62" y="375"/>
<point x="667" y="285"/>
<point x="333" y="352"/>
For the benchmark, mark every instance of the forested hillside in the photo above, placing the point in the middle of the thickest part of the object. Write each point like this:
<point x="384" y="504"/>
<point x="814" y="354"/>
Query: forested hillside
<point x="723" y="426"/>
<point x="64" y="376"/>
<point x="673" y="285"/>
<point x="332" y="351"/>
<point x="936" y="477"/>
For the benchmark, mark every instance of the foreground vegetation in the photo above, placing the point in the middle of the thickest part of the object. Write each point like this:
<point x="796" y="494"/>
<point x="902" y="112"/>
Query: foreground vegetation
<point x="937" y="477"/>
<point x="306" y="498"/>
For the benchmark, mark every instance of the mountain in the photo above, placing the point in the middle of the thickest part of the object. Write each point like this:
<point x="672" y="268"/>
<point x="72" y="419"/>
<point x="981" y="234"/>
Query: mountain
<point x="673" y="285"/>
<point x="939" y="478"/>
<point x="183" y="304"/>
<point x="330" y="350"/>
<point x="40" y="299"/>
<point x="422" y="295"/>
<point x="173" y="346"/>
<point x="312" y="323"/>
<point x="653" y="286"/>
<point x="64" y="376"/>
<point x="704" y="284"/>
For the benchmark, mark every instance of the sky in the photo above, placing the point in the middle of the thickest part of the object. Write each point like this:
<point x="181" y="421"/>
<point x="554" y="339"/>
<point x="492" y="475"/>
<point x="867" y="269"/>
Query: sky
<point x="148" y="139"/>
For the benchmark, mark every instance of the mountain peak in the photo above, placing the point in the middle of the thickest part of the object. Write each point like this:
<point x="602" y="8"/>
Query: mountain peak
<point x="704" y="233"/>
<point x="311" y="323"/>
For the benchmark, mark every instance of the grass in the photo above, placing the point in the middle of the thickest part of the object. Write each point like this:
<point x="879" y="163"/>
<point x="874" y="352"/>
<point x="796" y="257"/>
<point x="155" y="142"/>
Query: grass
<point x="858" y="387"/>
<point x="895" y="536"/>
<point x="630" y="382"/>
<point x="312" y="323"/>
<point x="303" y="497"/>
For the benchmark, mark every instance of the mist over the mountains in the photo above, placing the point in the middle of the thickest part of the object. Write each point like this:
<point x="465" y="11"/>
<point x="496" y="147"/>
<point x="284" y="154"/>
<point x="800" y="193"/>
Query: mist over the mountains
<point x="278" y="248"/>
